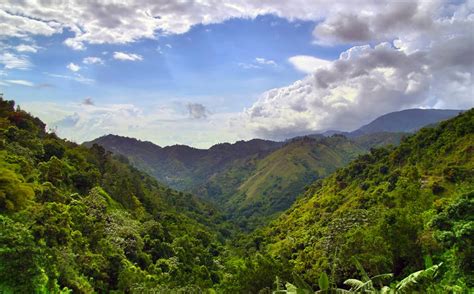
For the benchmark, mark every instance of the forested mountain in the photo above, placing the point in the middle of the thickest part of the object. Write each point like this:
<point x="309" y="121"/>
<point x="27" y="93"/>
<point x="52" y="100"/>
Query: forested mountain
<point x="394" y="210"/>
<point x="82" y="219"/>
<point x="180" y="166"/>
<point x="254" y="181"/>
<point x="255" y="189"/>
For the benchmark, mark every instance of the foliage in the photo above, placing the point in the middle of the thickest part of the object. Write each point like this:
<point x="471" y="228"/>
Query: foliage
<point x="82" y="220"/>
<point x="388" y="209"/>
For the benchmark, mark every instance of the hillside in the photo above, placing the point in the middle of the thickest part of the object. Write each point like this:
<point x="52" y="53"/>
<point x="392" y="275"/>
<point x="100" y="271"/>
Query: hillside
<point x="388" y="209"/>
<point x="257" y="188"/>
<point x="179" y="166"/>
<point x="73" y="218"/>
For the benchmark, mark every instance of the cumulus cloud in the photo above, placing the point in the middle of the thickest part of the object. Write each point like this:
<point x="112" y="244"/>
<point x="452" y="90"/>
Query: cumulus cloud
<point x="73" y="67"/>
<point x="26" y="48"/>
<point x="367" y="81"/>
<point x="14" y="61"/>
<point x="196" y="110"/>
<point x="127" y="56"/>
<point x="385" y="20"/>
<point x="92" y="60"/>
<point x="99" y="22"/>
<point x="308" y="64"/>
<point x="15" y="24"/>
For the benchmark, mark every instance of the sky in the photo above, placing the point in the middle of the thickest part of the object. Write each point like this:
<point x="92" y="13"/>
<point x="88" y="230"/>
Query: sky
<point x="202" y="72"/>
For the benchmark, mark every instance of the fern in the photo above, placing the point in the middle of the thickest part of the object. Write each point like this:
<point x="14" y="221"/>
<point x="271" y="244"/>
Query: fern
<point x="417" y="279"/>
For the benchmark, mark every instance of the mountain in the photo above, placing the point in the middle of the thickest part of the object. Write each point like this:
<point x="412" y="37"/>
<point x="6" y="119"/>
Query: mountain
<point x="77" y="219"/>
<point x="253" y="181"/>
<point x="393" y="210"/>
<point x="179" y="166"/>
<point x="256" y="189"/>
<point x="405" y="121"/>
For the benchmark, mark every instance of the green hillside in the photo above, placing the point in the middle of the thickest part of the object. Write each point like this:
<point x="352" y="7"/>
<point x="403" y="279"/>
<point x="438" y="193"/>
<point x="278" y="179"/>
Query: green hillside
<point x="257" y="188"/>
<point x="390" y="210"/>
<point x="180" y="166"/>
<point x="82" y="220"/>
<point x="73" y="218"/>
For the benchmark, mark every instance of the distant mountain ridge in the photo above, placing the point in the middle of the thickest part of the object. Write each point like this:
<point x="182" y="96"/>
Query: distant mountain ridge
<point x="181" y="166"/>
<point x="409" y="120"/>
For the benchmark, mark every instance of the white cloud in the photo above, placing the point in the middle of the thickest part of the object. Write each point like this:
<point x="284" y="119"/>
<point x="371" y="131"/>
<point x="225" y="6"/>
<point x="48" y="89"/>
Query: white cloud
<point x="364" y="83"/>
<point x="429" y="65"/>
<point x="384" y="20"/>
<point x="20" y="82"/>
<point x="73" y="67"/>
<point x="26" y="48"/>
<point x="13" y="61"/>
<point x="15" y="24"/>
<point x="127" y="56"/>
<point x="92" y="60"/>
<point x="258" y="63"/>
<point x="263" y="61"/>
<point x="100" y="22"/>
<point x="308" y="64"/>
<point x="75" y="77"/>
<point x="248" y="65"/>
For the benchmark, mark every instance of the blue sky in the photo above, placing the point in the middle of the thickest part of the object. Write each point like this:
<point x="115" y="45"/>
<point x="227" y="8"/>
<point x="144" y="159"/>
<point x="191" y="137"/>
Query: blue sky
<point x="200" y="76"/>
<point x="208" y="62"/>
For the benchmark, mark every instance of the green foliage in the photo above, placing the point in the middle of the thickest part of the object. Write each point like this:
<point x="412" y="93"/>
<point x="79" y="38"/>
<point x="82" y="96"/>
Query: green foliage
<point x="323" y="282"/>
<point x="81" y="220"/>
<point x="15" y="194"/>
<point x="257" y="189"/>
<point x="388" y="209"/>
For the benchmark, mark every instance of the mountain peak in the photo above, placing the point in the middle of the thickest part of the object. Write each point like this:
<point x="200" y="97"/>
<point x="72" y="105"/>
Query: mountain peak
<point x="408" y="120"/>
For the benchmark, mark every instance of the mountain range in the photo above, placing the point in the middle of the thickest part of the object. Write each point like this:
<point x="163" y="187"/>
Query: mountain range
<point x="84" y="220"/>
<point x="257" y="179"/>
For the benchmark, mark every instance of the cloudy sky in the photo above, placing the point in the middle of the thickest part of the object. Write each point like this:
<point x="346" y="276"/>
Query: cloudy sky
<point x="200" y="72"/>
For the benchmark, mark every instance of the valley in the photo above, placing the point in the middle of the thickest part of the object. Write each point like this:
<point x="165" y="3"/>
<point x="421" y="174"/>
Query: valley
<point x="82" y="219"/>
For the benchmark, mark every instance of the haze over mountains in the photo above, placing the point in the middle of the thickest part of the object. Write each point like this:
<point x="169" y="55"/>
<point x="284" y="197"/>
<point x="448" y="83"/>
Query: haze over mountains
<point x="259" y="178"/>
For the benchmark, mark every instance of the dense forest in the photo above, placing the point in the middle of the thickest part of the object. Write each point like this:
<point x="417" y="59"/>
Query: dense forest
<point x="77" y="219"/>
<point x="82" y="220"/>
